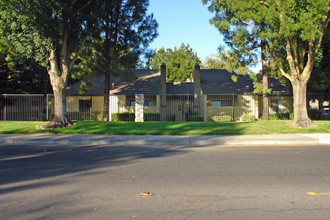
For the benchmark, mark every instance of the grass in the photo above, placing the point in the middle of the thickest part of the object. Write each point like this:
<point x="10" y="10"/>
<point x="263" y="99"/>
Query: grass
<point x="166" y="128"/>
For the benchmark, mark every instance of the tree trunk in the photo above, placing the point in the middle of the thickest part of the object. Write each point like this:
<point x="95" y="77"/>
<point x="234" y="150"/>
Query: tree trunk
<point x="265" y="101"/>
<point x="301" y="118"/>
<point x="106" y="96"/>
<point x="58" y="81"/>
<point x="59" y="105"/>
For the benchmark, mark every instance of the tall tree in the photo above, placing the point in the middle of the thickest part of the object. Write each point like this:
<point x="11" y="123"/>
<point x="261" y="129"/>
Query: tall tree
<point x="293" y="37"/>
<point x="245" y="38"/>
<point x="179" y="62"/>
<point x="128" y="30"/>
<point x="52" y="32"/>
<point x="227" y="60"/>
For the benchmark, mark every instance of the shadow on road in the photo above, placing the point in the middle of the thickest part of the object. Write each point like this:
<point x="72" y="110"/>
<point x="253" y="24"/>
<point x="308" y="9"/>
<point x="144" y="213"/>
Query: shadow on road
<point x="21" y="163"/>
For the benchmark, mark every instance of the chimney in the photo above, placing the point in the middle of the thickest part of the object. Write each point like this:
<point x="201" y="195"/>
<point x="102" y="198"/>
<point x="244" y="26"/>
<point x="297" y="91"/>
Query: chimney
<point x="197" y="87"/>
<point x="163" y="107"/>
<point x="163" y="79"/>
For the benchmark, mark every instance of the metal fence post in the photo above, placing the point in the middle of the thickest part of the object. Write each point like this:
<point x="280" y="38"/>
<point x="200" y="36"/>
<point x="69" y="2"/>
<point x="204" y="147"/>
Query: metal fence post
<point x="322" y="107"/>
<point x="5" y="107"/>
<point x="233" y="104"/>
<point x="90" y="108"/>
<point x="47" y="101"/>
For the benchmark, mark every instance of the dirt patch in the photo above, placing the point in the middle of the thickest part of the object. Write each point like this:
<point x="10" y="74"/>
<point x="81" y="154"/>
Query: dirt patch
<point x="55" y="124"/>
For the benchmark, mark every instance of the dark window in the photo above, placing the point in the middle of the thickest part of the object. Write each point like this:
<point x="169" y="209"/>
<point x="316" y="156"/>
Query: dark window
<point x="85" y="105"/>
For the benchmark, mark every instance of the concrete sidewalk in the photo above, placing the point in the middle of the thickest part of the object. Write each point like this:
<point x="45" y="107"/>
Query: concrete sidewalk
<point x="135" y="140"/>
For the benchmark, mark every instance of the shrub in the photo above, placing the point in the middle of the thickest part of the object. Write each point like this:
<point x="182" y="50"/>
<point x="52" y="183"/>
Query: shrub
<point x="170" y="117"/>
<point x="247" y="118"/>
<point x="99" y="116"/>
<point x="281" y="116"/>
<point x="151" y="116"/>
<point x="219" y="118"/>
<point x="123" y="116"/>
<point x="195" y="118"/>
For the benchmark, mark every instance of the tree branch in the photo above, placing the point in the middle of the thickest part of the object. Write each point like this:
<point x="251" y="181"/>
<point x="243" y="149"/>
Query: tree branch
<point x="82" y="8"/>
<point x="52" y="63"/>
<point x="322" y="30"/>
<point x="253" y="27"/>
<point x="264" y="3"/>
<point x="310" y="62"/>
<point x="64" y="49"/>
<point x="290" y="59"/>
<point x="296" y="56"/>
<point x="283" y="72"/>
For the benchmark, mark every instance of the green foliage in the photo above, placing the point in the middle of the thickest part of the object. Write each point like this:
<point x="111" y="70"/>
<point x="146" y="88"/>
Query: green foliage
<point x="123" y="116"/>
<point x="99" y="116"/>
<point x="179" y="62"/>
<point x="281" y="116"/>
<point x="228" y="60"/>
<point x="320" y="78"/>
<point x="19" y="74"/>
<point x="151" y="116"/>
<point x="84" y="87"/>
<point x="258" y="86"/>
<point x="248" y="118"/>
<point x="193" y="116"/>
<point x="126" y="31"/>
<point x="234" y="78"/>
<point x="232" y="19"/>
<point x="147" y="117"/>
<point x="291" y="30"/>
<point x="220" y="118"/>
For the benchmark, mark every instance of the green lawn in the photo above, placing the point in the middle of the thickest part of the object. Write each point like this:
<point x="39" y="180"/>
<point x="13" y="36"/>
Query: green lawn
<point x="166" y="128"/>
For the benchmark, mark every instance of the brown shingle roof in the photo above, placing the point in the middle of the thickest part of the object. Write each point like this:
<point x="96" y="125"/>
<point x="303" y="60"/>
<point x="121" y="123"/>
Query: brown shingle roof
<point x="213" y="81"/>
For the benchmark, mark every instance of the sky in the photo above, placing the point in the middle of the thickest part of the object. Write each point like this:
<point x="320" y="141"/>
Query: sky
<point x="185" y="21"/>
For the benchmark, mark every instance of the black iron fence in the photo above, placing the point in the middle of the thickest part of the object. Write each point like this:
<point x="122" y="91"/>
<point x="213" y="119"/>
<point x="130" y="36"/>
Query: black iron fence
<point x="17" y="107"/>
<point x="211" y="107"/>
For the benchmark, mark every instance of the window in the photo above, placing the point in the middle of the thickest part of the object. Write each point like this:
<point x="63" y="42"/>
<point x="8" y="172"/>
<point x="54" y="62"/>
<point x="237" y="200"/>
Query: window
<point x="147" y="102"/>
<point x="132" y="103"/>
<point x="276" y="106"/>
<point x="85" y="105"/>
<point x="221" y="103"/>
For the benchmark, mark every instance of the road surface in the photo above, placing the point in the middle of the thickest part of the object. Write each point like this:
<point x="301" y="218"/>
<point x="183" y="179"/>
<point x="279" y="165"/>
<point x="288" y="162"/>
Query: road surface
<point x="164" y="182"/>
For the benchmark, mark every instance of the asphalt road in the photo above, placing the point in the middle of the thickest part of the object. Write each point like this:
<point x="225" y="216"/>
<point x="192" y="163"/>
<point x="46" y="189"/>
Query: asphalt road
<point x="104" y="182"/>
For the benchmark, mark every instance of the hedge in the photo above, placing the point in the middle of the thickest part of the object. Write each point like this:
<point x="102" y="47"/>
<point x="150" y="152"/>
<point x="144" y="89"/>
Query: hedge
<point x="281" y="116"/>
<point x="219" y="118"/>
<point x="123" y="116"/>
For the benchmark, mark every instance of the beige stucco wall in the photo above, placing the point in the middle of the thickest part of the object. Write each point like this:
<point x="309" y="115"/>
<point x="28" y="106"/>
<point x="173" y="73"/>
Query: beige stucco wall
<point x="287" y="102"/>
<point x="243" y="104"/>
<point x="72" y="103"/>
<point x="120" y="104"/>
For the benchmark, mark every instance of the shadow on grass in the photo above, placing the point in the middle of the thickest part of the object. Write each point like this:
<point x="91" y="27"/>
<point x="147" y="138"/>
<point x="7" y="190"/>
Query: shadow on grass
<point x="161" y="128"/>
<point x="170" y="128"/>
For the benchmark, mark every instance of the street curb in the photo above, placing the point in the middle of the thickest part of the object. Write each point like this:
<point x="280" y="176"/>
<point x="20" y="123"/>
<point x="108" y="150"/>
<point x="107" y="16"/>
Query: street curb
<point x="153" y="140"/>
